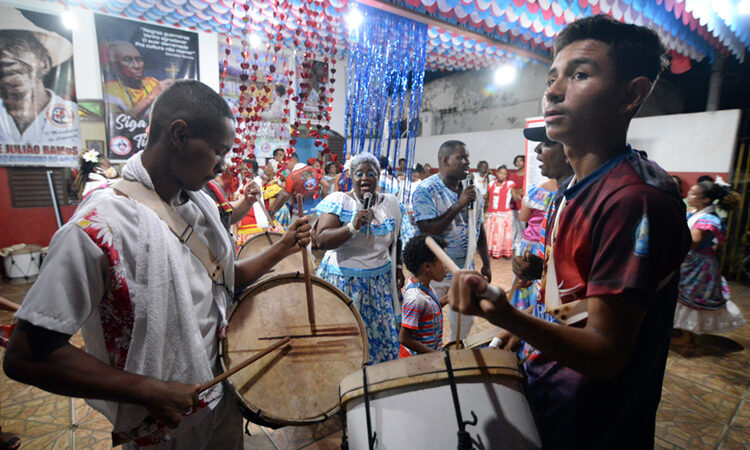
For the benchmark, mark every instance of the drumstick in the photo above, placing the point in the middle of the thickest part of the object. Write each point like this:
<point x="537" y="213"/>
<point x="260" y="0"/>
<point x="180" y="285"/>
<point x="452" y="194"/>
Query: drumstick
<point x="265" y="211"/>
<point x="452" y="268"/>
<point x="441" y="255"/>
<point x="308" y="283"/>
<point x="243" y="364"/>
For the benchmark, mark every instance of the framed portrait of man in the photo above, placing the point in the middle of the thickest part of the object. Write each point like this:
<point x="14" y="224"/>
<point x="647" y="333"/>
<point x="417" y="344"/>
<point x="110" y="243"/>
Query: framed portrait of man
<point x="39" y="124"/>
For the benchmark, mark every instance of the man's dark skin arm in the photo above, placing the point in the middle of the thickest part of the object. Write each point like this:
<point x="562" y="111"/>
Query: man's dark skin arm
<point x="281" y="198"/>
<point x="46" y="359"/>
<point x="599" y="350"/>
<point x="484" y="253"/>
<point x="437" y="225"/>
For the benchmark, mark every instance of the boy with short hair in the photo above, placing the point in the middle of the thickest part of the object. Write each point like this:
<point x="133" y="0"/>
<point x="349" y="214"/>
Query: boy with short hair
<point x="422" y="320"/>
<point x="616" y="242"/>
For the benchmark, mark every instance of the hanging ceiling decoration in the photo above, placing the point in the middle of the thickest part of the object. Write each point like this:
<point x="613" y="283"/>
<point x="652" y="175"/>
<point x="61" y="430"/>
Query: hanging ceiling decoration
<point x="475" y="33"/>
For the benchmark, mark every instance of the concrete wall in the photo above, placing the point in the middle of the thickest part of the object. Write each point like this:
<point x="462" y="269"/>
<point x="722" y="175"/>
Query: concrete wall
<point x="699" y="142"/>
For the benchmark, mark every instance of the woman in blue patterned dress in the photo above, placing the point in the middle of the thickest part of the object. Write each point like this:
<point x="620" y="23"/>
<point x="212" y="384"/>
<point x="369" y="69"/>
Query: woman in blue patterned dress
<point x="361" y="245"/>
<point x="703" y="300"/>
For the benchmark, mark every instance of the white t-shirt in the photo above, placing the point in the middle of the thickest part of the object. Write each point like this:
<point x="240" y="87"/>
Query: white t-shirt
<point x="74" y="278"/>
<point x="56" y="124"/>
<point x="370" y="247"/>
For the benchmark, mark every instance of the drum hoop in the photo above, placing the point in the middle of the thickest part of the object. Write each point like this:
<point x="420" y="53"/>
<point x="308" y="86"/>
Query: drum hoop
<point x="25" y="250"/>
<point x="255" y="287"/>
<point x="351" y="386"/>
<point x="258" y="236"/>
<point x="481" y="337"/>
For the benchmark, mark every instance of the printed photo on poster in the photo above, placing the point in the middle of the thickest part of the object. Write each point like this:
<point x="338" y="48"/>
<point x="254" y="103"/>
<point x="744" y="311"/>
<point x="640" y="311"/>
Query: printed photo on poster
<point x="138" y="61"/>
<point x="38" y="115"/>
<point x="266" y="95"/>
<point x="313" y="88"/>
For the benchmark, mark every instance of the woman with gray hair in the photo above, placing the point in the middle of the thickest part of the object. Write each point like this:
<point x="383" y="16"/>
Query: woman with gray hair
<point x="360" y="231"/>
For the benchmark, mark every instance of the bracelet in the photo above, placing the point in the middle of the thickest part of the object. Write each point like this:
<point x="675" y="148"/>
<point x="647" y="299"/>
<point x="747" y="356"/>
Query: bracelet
<point x="352" y="230"/>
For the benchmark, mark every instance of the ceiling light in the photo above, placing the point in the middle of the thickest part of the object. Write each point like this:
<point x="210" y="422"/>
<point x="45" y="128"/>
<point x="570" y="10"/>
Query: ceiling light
<point x="505" y="75"/>
<point x="354" y="19"/>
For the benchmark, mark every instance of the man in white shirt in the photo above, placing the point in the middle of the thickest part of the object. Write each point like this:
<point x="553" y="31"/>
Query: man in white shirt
<point x="150" y="312"/>
<point x="29" y="112"/>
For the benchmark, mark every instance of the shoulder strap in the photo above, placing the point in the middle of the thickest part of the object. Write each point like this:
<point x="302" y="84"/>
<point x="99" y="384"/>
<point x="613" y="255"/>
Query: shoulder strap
<point x="183" y="230"/>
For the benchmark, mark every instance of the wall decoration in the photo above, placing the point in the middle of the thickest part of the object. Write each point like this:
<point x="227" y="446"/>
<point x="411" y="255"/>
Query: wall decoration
<point x="39" y="123"/>
<point x="138" y="60"/>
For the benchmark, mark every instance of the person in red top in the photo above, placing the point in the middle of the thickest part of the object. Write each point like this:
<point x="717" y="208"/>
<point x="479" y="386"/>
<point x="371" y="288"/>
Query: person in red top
<point x="517" y="177"/>
<point x="499" y="222"/>
<point x="617" y="241"/>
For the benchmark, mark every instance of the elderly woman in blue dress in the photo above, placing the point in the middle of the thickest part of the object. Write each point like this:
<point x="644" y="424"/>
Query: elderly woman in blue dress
<point x="363" y="256"/>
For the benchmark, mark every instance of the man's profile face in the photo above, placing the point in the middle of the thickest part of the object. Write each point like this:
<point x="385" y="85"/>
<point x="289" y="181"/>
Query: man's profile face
<point x="20" y="70"/>
<point x="128" y="62"/>
<point x="583" y="97"/>
<point x="202" y="158"/>
<point x="458" y="163"/>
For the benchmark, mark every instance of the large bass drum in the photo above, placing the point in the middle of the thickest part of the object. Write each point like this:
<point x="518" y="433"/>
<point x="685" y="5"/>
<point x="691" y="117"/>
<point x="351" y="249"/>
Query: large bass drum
<point x="299" y="385"/>
<point x="411" y="404"/>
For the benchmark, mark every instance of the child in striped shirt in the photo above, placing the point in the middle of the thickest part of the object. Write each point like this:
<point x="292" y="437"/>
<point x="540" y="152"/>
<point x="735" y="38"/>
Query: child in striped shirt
<point x="422" y="318"/>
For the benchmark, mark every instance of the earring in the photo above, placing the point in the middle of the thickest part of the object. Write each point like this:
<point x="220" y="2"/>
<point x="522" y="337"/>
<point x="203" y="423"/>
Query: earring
<point x="567" y="163"/>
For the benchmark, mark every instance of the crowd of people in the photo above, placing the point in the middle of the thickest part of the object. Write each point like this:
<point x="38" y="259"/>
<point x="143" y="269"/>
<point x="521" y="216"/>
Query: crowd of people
<point x="607" y="227"/>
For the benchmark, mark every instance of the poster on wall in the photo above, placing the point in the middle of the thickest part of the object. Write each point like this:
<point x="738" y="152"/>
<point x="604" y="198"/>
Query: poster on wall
<point x="38" y="112"/>
<point x="265" y="96"/>
<point x="533" y="171"/>
<point x="138" y="61"/>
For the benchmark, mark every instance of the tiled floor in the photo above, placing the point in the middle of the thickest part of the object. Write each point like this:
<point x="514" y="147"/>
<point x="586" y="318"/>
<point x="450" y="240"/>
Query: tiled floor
<point x="705" y="401"/>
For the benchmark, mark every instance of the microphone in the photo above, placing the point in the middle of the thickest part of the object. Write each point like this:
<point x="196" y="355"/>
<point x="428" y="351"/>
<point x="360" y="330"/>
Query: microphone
<point x="470" y="182"/>
<point x="366" y="199"/>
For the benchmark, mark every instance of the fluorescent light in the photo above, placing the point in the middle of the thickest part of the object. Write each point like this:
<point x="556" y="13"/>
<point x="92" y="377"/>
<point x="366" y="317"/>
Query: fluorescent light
<point x="743" y="7"/>
<point x="354" y="19"/>
<point x="505" y="75"/>
<point x="68" y="19"/>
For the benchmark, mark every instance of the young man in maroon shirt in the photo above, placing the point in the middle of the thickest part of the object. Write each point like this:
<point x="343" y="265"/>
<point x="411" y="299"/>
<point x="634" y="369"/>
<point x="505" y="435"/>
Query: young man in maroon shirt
<point x="617" y="243"/>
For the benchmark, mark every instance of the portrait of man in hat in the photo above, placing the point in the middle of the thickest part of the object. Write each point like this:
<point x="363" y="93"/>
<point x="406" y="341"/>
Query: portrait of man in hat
<point x="30" y="111"/>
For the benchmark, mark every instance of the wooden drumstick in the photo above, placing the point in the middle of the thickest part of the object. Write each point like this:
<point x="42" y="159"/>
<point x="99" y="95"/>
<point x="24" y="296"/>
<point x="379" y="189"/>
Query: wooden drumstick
<point x="452" y="268"/>
<point x="308" y="283"/>
<point x="441" y="255"/>
<point x="243" y="364"/>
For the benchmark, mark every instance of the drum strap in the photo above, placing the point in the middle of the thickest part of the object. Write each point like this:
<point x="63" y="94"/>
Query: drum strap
<point x="183" y="230"/>
<point x="464" y="438"/>
<point x="371" y="436"/>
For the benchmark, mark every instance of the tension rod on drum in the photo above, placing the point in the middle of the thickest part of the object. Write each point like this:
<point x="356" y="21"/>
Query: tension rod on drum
<point x="464" y="438"/>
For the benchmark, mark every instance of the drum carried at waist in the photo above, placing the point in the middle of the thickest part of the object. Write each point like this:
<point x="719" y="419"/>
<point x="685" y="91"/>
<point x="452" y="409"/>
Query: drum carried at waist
<point x="299" y="385"/>
<point x="22" y="262"/>
<point x="412" y="405"/>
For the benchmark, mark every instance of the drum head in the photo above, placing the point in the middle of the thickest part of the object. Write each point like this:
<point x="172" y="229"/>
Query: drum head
<point x="299" y="384"/>
<point x="261" y="241"/>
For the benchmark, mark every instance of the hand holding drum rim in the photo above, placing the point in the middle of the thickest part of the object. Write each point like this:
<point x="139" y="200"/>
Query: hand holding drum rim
<point x="470" y="293"/>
